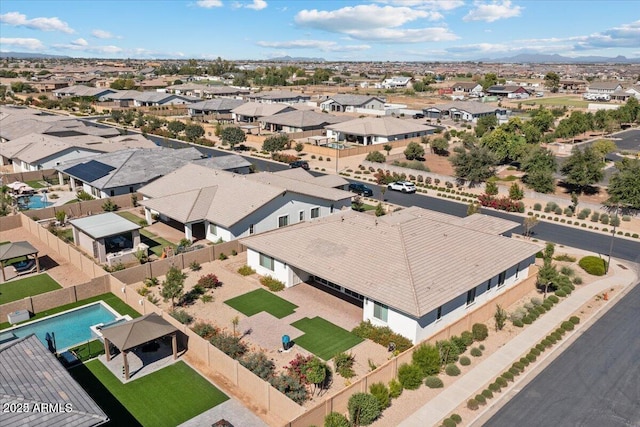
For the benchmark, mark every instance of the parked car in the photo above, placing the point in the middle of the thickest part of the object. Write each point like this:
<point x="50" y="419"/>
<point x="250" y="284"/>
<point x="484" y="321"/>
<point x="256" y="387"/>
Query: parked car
<point x="418" y="116"/>
<point x="403" y="186"/>
<point x="299" y="164"/>
<point x="360" y="189"/>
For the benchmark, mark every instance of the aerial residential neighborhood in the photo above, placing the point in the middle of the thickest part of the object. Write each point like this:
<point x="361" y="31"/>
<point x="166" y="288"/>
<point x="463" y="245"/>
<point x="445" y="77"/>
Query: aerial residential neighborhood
<point x="340" y="214"/>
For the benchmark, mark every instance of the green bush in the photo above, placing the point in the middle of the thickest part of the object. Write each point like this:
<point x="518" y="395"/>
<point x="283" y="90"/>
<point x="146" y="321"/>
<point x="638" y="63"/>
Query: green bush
<point x="487" y="393"/>
<point x="593" y="265"/>
<point x="449" y="351"/>
<point x="531" y="357"/>
<point x="363" y="408"/>
<point x="480" y="331"/>
<point x="556" y="335"/>
<point x="245" y="270"/>
<point x="525" y="362"/>
<point x="382" y="335"/>
<point x="410" y="376"/>
<point x="448" y="422"/>
<point x="566" y="289"/>
<point x="457" y="418"/>
<point x="560" y="331"/>
<point x="476" y="352"/>
<point x="546" y="342"/>
<point x="433" y="382"/>
<point x="473" y="404"/>
<point x="554" y="299"/>
<point x="552" y="339"/>
<point x="495" y="387"/>
<point x="465" y="361"/>
<point x="467" y="338"/>
<point x="481" y="347"/>
<point x="518" y="323"/>
<point x="507" y="376"/>
<point x="537" y="207"/>
<point x="534" y="351"/>
<point x="481" y="399"/>
<point x="518" y="365"/>
<point x="343" y="363"/>
<point x="335" y="419"/>
<point x="560" y="293"/>
<point x="567" y="326"/>
<point x="452" y="370"/>
<point x="395" y="388"/>
<point x="274" y="285"/>
<point x="427" y="358"/>
<point x="501" y="382"/>
<point x="577" y="280"/>
<point x="574" y="319"/>
<point x="381" y="393"/>
<point x="540" y="347"/>
<point x="514" y="371"/>
<point x="527" y="320"/>
<point x="182" y="316"/>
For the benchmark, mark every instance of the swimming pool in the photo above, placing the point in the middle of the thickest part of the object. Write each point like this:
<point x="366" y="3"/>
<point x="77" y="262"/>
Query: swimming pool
<point x="33" y="202"/>
<point x="70" y="327"/>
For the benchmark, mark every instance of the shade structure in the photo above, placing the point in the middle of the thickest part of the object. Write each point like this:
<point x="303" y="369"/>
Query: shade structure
<point x="14" y="250"/>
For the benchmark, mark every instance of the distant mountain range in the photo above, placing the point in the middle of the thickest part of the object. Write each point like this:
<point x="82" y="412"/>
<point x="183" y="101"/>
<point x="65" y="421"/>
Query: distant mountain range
<point x="539" y="58"/>
<point x="296" y="59"/>
<point x="30" y="55"/>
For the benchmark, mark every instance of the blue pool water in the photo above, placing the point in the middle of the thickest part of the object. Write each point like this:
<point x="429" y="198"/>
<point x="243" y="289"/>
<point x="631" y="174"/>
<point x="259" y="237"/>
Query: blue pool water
<point x="70" y="328"/>
<point x="34" y="202"/>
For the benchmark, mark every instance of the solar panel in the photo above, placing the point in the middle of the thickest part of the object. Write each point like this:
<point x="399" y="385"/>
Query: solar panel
<point x="89" y="171"/>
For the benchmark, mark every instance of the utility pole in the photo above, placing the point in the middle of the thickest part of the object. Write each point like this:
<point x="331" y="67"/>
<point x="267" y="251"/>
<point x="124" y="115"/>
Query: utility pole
<point x="613" y="235"/>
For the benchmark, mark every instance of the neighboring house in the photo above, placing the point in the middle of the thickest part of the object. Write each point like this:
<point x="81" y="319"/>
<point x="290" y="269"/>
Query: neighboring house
<point x="49" y="85"/>
<point x="327" y="181"/>
<point x="467" y="88"/>
<point x="278" y="97"/>
<point x="401" y="82"/>
<point x="224" y="92"/>
<point x="81" y="91"/>
<point x="299" y="121"/>
<point x="571" y="85"/>
<point x="230" y="163"/>
<point x="352" y="103"/>
<point x="250" y="112"/>
<point x="156" y="99"/>
<point x="219" y="107"/>
<point x="123" y="171"/>
<point x="187" y="89"/>
<point x="218" y="205"/>
<point x="377" y="130"/>
<point x="467" y="111"/>
<point x="33" y="378"/>
<point x="39" y="151"/>
<point x="605" y="87"/>
<point x="510" y="92"/>
<point x="123" y="98"/>
<point x="433" y="269"/>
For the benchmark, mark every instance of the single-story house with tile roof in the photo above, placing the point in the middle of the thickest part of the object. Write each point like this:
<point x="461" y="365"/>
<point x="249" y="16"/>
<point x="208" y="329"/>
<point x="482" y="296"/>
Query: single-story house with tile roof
<point x="250" y="112"/>
<point x="349" y="103"/>
<point x="433" y="270"/>
<point x="82" y="91"/>
<point x="278" y="97"/>
<point x="224" y="92"/>
<point x="326" y="180"/>
<point x="124" y="98"/>
<point x="605" y="87"/>
<point x="468" y="111"/>
<point x="124" y="171"/>
<point x="396" y="82"/>
<point x="467" y="87"/>
<point x="155" y="99"/>
<point x="40" y="151"/>
<point x="221" y="205"/>
<point x="214" y="107"/>
<point x="230" y="163"/>
<point x="510" y="92"/>
<point x="299" y="121"/>
<point x="40" y="391"/>
<point x="377" y="130"/>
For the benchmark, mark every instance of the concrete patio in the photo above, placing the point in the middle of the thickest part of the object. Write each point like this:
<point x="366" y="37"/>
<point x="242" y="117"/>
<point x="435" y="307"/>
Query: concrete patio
<point x="141" y="363"/>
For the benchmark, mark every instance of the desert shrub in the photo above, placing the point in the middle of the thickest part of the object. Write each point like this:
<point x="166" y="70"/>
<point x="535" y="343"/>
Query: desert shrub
<point x="537" y="207"/>
<point x="433" y="382"/>
<point x="381" y="393"/>
<point x="507" y="376"/>
<point x="476" y="352"/>
<point x="593" y="265"/>
<point x="531" y="357"/>
<point x="481" y="347"/>
<point x="427" y="358"/>
<point x="560" y="293"/>
<point x="459" y="342"/>
<point x="456" y="418"/>
<point x="574" y="319"/>
<point x="182" y="316"/>
<point x="514" y="371"/>
<point x="467" y="338"/>
<point x="335" y="419"/>
<point x="209" y="281"/>
<point x="465" y="361"/>
<point x="577" y="280"/>
<point x="547" y="305"/>
<point x="518" y="323"/>
<point x="222" y="257"/>
<point x="274" y="285"/>
<point x="567" y="289"/>
<point x="553" y="299"/>
<point x="540" y="347"/>
<point x="245" y="270"/>
<point x="519" y="365"/>
<point x="375" y="156"/>
<point x="291" y="387"/>
<point x="567" y="326"/>
<point x="259" y="364"/>
<point x="480" y="331"/>
<point x="552" y="339"/>
<point x="525" y="362"/>
<point x="410" y="376"/>
<point x="501" y="382"/>
<point x="195" y="266"/>
<point x="487" y="393"/>
<point x="556" y="335"/>
<point x="567" y="271"/>
<point x="452" y="370"/>
<point x="473" y="404"/>
<point x="229" y="344"/>
<point x="481" y="399"/>
<point x="363" y="409"/>
<point x="535" y="351"/>
<point x="205" y="330"/>
<point x="527" y="320"/>
<point x="449" y="351"/>
<point x="595" y="217"/>
<point x="494" y="387"/>
<point x="382" y="335"/>
<point x="344" y="364"/>
<point x="395" y="388"/>
<point x="448" y="422"/>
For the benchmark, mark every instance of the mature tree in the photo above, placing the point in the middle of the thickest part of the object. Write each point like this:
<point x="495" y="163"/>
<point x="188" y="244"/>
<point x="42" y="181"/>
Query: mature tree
<point x="316" y="372"/>
<point x="542" y="119"/>
<point x="532" y="134"/>
<point x="173" y="285"/>
<point x="528" y="223"/>
<point x="489" y="80"/>
<point x="624" y="185"/>
<point x="475" y="165"/>
<point x="552" y="81"/>
<point x="123" y="84"/>
<point x="375" y="156"/>
<point x="485" y="124"/>
<point x="176" y="126"/>
<point x="468" y="140"/>
<point x="275" y="143"/>
<point x="440" y="146"/>
<point x="232" y="136"/>
<point x="583" y="169"/>
<point x="5" y="201"/>
<point x="357" y="204"/>
<point x="414" y="151"/>
<point x="116" y="115"/>
<point x="387" y="148"/>
<point x="128" y="117"/>
<point x="506" y="145"/>
<point x="193" y="132"/>
<point x="539" y="166"/>
<point x="604" y="147"/>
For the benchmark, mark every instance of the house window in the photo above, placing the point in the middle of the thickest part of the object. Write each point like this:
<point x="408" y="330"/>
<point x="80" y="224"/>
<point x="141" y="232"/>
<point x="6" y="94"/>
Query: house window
<point x="301" y="216"/>
<point x="112" y="193"/>
<point x="471" y="296"/>
<point x="251" y="229"/>
<point x="517" y="270"/>
<point x="283" y="221"/>
<point x="439" y="313"/>
<point x="213" y="228"/>
<point x="315" y="213"/>
<point x="130" y="189"/>
<point x="489" y="284"/>
<point x="266" y="262"/>
<point x="380" y="311"/>
<point x="501" y="278"/>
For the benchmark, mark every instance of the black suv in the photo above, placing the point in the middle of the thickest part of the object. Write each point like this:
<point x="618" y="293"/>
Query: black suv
<point x="418" y="116"/>
<point x="360" y="189"/>
<point x="299" y="164"/>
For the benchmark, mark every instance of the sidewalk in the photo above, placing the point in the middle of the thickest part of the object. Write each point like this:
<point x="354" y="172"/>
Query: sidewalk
<point x="476" y="379"/>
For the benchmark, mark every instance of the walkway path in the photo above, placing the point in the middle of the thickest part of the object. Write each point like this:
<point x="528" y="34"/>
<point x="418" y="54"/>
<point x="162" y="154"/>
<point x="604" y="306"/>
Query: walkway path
<point x="485" y="372"/>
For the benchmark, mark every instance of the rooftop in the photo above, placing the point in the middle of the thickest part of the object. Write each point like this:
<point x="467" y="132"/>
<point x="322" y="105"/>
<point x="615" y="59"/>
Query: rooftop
<point x="380" y="126"/>
<point x="104" y="225"/>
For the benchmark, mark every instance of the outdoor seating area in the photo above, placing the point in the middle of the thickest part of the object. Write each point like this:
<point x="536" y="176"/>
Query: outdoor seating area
<point x="24" y="256"/>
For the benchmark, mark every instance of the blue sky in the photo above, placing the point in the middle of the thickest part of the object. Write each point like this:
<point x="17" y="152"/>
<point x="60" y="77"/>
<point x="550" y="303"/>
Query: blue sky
<point x="376" y="30"/>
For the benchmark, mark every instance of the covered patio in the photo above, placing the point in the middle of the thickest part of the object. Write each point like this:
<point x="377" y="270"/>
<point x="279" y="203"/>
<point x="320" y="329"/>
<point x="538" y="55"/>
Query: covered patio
<point x="140" y="339"/>
<point x="15" y="250"/>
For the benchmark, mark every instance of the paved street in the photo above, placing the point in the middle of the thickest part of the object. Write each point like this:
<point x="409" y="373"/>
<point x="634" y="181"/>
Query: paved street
<point x="593" y="383"/>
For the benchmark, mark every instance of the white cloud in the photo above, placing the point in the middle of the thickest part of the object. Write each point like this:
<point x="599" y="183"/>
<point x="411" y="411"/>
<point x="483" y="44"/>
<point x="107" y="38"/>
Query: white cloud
<point x="102" y="34"/>
<point x="626" y="35"/>
<point x="16" y="19"/>
<point x="23" y="43"/>
<point x="82" y="45"/>
<point x="208" y="4"/>
<point x="410" y="35"/>
<point x="493" y="11"/>
<point x="257" y="5"/>
<point x="426" y="4"/>
<point x="80" y="42"/>
<point x="325" y="46"/>
<point x="146" y="53"/>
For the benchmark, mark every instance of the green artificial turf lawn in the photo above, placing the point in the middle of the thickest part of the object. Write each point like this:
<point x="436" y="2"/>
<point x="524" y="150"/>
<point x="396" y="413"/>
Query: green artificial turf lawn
<point x="21" y="288"/>
<point x="156" y="244"/>
<point x="262" y="300"/>
<point x="167" y="397"/>
<point x="323" y="338"/>
<point x="114" y="302"/>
